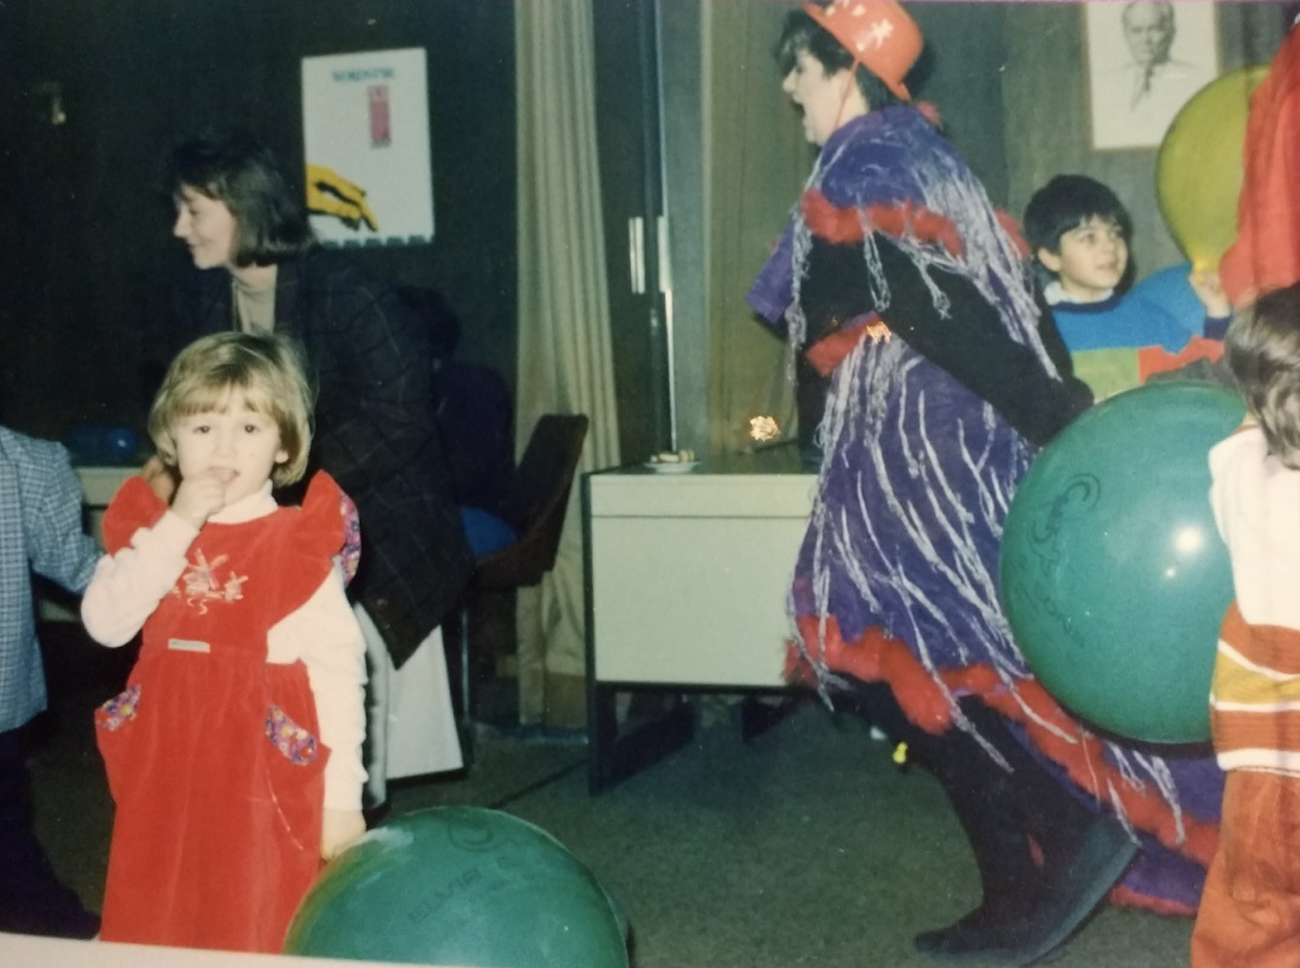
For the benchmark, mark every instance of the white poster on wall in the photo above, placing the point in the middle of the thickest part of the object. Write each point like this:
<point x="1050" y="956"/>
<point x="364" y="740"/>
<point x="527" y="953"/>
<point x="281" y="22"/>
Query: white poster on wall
<point x="1145" y="61"/>
<point x="369" y="175"/>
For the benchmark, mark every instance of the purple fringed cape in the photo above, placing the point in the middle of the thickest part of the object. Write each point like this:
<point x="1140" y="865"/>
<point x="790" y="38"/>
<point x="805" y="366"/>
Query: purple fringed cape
<point x="919" y="472"/>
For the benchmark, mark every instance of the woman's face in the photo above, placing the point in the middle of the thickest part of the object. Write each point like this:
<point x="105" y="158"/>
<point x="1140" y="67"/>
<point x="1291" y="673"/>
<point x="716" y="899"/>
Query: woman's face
<point x="207" y="226"/>
<point x="827" y="100"/>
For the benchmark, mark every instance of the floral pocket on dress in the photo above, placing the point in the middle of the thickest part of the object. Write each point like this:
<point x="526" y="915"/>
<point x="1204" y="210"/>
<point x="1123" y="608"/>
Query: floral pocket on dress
<point x="296" y="744"/>
<point x="119" y="710"/>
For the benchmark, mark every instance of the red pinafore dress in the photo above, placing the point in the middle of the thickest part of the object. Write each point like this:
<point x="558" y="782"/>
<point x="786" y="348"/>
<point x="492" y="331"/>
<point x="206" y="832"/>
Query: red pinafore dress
<point x="212" y="753"/>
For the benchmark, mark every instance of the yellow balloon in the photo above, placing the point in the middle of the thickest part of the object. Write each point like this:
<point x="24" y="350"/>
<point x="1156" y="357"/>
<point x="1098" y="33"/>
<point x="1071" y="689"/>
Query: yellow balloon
<point x="1199" y="167"/>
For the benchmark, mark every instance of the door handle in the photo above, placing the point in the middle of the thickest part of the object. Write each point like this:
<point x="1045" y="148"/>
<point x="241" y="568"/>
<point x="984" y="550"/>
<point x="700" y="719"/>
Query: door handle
<point x="636" y="253"/>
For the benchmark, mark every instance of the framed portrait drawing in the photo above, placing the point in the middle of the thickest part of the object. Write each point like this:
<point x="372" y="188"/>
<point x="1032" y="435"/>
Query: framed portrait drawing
<point x="1145" y="61"/>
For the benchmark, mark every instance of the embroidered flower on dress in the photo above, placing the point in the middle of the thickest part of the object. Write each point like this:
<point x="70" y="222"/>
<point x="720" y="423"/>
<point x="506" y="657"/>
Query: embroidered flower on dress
<point x="119" y="710"/>
<point x="295" y="743"/>
<point x="202" y="585"/>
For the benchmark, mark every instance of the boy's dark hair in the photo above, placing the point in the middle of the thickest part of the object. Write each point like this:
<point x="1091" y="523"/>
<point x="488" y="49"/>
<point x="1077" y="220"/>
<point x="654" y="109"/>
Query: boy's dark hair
<point x="245" y="174"/>
<point x="1065" y="203"/>
<point x="1262" y="346"/>
<point x="802" y="33"/>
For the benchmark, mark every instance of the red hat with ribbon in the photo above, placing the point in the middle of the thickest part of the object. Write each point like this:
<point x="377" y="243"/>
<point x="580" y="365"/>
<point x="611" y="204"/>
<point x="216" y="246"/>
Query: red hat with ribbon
<point x="878" y="33"/>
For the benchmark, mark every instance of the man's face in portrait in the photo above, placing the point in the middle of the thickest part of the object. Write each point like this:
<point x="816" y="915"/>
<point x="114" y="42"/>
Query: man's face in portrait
<point x="1149" y="30"/>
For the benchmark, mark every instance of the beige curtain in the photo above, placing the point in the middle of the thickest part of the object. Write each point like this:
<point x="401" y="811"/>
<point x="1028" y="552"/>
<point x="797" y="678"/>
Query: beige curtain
<point x="564" y="343"/>
<point x="756" y="162"/>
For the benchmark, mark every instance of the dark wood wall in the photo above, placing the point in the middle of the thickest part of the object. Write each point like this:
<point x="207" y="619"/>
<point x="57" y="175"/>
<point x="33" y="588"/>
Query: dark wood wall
<point x="87" y="263"/>
<point x="86" y="255"/>
<point x="960" y="73"/>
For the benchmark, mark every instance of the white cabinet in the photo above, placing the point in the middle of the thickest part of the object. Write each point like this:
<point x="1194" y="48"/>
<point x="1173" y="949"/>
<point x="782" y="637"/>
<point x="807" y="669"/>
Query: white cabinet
<point x="687" y="579"/>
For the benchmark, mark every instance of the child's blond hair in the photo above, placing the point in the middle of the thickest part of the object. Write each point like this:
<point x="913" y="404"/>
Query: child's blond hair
<point x="269" y="371"/>
<point x="1263" y="351"/>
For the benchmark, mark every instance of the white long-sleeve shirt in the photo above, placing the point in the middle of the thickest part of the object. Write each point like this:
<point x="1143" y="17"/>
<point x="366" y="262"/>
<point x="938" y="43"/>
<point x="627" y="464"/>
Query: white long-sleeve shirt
<point x="1255" y="696"/>
<point x="1256" y="502"/>
<point x="128" y="586"/>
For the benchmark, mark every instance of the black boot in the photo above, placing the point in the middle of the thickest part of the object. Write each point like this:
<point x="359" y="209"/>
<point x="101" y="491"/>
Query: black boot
<point x="983" y="797"/>
<point x="1086" y="849"/>
<point x="1028" y="911"/>
<point x="987" y="803"/>
<point x="1010" y="881"/>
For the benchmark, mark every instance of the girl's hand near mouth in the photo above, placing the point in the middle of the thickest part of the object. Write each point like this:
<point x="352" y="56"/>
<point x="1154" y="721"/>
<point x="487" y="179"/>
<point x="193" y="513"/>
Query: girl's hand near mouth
<point x="201" y="496"/>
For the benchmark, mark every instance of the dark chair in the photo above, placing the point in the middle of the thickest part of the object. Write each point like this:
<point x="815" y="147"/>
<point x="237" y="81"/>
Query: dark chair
<point x="546" y="474"/>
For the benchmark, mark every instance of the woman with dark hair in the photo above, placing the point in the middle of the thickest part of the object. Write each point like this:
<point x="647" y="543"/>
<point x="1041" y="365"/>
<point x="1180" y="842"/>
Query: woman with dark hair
<point x="933" y="374"/>
<point x="257" y="267"/>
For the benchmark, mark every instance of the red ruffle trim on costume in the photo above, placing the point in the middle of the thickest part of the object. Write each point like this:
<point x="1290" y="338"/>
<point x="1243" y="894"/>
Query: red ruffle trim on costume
<point x="829" y="351"/>
<point x="929" y="112"/>
<point x="1122" y="896"/>
<point x="840" y="225"/>
<point x="876" y="657"/>
<point x="1014" y="232"/>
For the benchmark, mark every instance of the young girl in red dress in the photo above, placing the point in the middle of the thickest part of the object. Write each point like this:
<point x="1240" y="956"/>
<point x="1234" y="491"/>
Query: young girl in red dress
<point x="234" y="755"/>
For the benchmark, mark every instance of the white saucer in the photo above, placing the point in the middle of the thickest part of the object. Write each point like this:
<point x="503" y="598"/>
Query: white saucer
<point x="671" y="467"/>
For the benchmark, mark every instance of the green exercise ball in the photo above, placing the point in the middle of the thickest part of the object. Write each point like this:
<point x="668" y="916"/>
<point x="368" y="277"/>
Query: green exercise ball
<point x="1113" y="574"/>
<point x="460" y="886"/>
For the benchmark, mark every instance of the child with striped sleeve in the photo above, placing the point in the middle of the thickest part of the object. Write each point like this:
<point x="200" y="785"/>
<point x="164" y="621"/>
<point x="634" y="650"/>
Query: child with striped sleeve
<point x="1250" y="909"/>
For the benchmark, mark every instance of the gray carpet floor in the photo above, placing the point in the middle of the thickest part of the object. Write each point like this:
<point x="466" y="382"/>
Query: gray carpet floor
<point x="805" y="846"/>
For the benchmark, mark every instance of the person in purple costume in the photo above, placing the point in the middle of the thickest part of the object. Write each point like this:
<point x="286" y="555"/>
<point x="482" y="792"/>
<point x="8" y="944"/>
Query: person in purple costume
<point x="908" y="302"/>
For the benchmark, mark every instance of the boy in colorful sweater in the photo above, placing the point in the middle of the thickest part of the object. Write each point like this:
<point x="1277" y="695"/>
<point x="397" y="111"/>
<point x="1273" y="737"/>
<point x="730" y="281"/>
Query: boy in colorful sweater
<point x="1250" y="909"/>
<point x="1079" y="233"/>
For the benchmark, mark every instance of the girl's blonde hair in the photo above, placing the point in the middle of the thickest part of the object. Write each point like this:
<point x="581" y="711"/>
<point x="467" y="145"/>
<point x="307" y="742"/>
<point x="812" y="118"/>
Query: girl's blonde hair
<point x="1263" y="350"/>
<point x="269" y="371"/>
